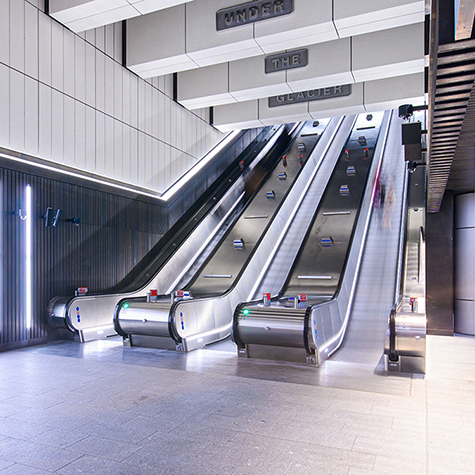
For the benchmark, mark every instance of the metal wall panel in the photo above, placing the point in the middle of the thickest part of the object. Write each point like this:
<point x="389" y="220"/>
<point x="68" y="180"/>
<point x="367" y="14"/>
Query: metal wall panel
<point x="440" y="269"/>
<point x="114" y="235"/>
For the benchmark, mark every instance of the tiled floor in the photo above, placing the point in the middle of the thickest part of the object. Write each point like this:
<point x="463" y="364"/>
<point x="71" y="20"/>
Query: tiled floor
<point x="99" y="408"/>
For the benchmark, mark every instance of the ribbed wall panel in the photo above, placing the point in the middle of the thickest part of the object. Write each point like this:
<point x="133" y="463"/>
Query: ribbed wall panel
<point x="114" y="235"/>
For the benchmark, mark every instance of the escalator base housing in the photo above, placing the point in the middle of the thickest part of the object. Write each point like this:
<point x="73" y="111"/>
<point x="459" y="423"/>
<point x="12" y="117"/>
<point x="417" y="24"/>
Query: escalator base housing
<point x="276" y="353"/>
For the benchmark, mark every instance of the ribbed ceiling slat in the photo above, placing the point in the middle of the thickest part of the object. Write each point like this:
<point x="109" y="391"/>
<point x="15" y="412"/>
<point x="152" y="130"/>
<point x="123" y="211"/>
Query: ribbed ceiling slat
<point x="453" y="122"/>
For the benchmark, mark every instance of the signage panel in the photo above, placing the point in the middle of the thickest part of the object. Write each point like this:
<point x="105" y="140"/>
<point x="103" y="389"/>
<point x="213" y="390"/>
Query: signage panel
<point x="311" y="95"/>
<point x="251" y="12"/>
<point x="289" y="60"/>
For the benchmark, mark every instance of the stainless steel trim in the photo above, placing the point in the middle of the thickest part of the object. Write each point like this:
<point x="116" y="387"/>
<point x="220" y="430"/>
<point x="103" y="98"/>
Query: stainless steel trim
<point x="336" y="213"/>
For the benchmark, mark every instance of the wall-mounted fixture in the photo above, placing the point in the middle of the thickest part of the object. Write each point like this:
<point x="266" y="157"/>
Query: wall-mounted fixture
<point x="21" y="213"/>
<point x="52" y="216"/>
<point x="76" y="221"/>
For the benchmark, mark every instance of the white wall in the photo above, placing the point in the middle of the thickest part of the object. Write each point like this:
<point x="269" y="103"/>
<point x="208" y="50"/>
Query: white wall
<point x="63" y="99"/>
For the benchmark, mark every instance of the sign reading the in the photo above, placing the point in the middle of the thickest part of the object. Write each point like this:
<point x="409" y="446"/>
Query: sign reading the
<point x="251" y="12"/>
<point x="311" y="95"/>
<point x="290" y="60"/>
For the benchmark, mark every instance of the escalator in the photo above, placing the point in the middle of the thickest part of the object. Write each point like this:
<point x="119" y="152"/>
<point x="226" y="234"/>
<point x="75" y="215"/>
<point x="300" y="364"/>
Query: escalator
<point x="305" y="320"/>
<point x="90" y="317"/>
<point x="216" y="284"/>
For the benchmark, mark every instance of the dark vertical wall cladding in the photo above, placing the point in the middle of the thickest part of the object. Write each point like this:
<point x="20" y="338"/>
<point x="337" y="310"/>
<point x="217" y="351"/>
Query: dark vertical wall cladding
<point x="440" y="268"/>
<point x="446" y="21"/>
<point x="114" y="234"/>
<point x="13" y="273"/>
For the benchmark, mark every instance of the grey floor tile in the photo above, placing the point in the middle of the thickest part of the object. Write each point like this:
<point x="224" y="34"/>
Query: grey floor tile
<point x="441" y="459"/>
<point x="5" y="464"/>
<point x="132" y="431"/>
<point x="449" y="471"/>
<point x="89" y="465"/>
<point x="231" y="423"/>
<point x="105" y="448"/>
<point x="397" y="464"/>
<point x="352" y="419"/>
<point x="384" y="433"/>
<point x="52" y="418"/>
<point x="236" y="417"/>
<point x="359" y="471"/>
<point x="7" y="409"/>
<point x="314" y="451"/>
<point x="412" y="449"/>
<point x="199" y="432"/>
<point x="19" y="429"/>
<point x="402" y="423"/>
<point x="351" y="406"/>
<point x="249" y="450"/>
<point x="20" y="469"/>
<point x="36" y="455"/>
<point x="167" y="448"/>
<point x="322" y="467"/>
<point x="111" y="415"/>
<point x="59" y="437"/>
<point x="79" y="410"/>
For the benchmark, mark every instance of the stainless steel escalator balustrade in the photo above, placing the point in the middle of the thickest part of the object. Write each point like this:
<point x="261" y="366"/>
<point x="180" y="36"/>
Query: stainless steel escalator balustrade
<point x="297" y="334"/>
<point x="181" y="323"/>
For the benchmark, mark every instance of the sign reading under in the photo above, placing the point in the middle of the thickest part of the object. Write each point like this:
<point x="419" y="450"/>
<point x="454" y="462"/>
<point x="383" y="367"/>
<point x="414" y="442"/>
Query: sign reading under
<point x="251" y="12"/>
<point x="290" y="60"/>
<point x="311" y="95"/>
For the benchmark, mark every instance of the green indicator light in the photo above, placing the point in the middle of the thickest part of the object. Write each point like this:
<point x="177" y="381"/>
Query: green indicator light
<point x="246" y="311"/>
<point x="126" y="305"/>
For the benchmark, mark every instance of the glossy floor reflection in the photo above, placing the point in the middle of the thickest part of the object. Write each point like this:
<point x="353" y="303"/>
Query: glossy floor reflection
<point x="100" y="408"/>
